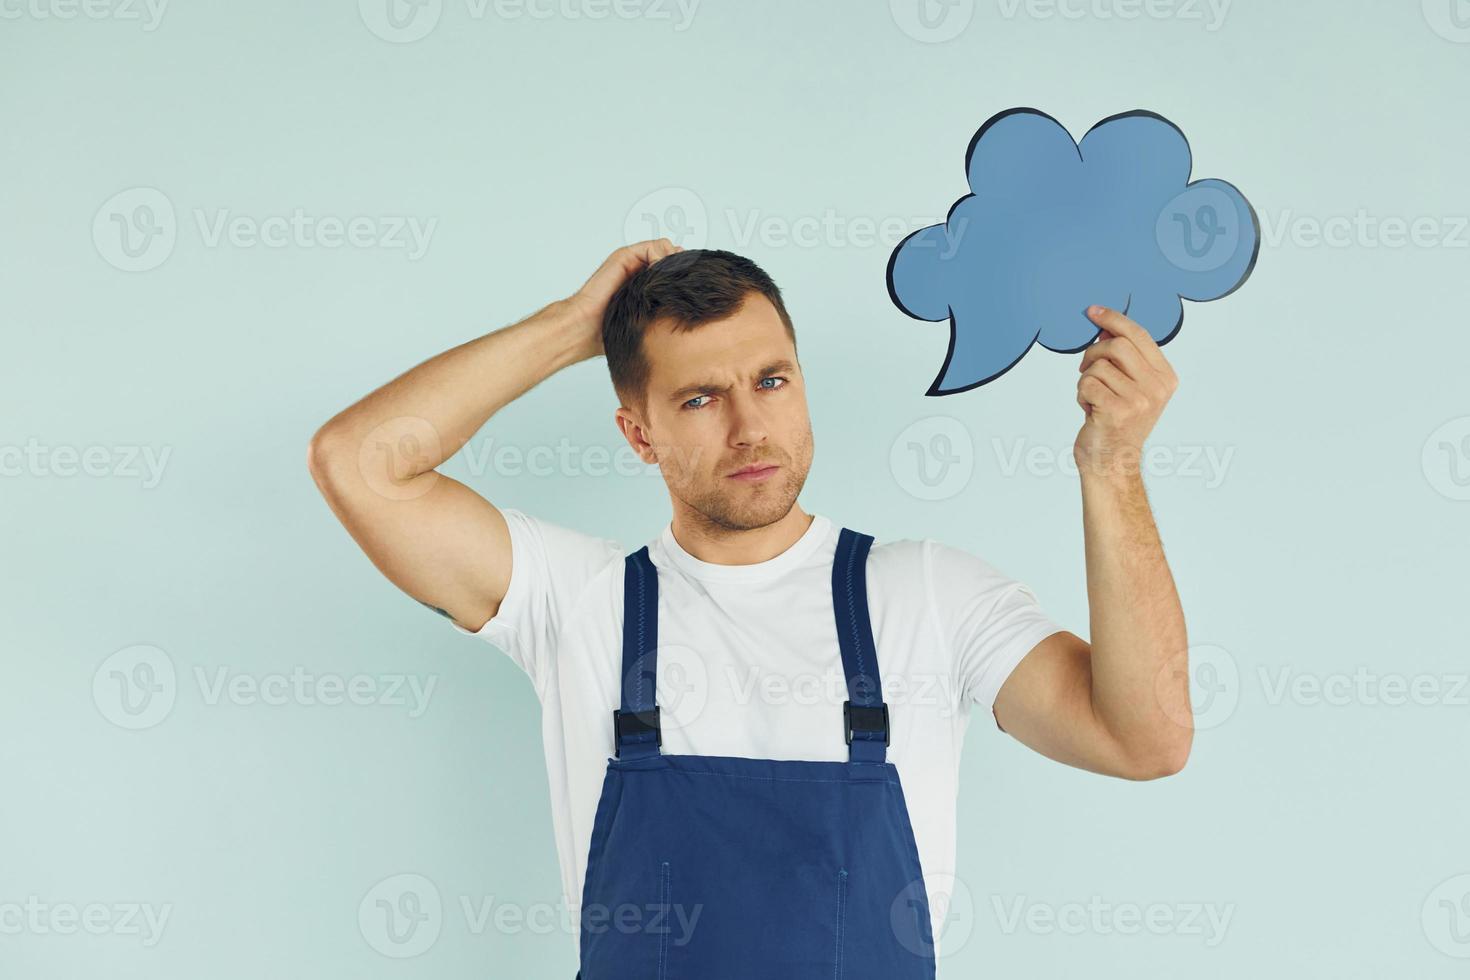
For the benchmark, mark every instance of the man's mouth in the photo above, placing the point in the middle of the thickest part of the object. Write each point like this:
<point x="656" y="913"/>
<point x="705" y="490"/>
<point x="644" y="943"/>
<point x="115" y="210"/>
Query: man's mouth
<point x="755" y="472"/>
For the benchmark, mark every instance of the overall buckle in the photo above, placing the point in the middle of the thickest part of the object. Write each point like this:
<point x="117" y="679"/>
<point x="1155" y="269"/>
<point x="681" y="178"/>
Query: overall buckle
<point x="866" y="720"/>
<point x="627" y="723"/>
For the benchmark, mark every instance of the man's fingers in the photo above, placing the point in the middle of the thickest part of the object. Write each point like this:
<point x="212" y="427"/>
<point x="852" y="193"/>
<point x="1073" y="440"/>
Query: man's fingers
<point x="651" y="251"/>
<point x="1112" y="378"/>
<point x="1119" y="325"/>
<point x="1092" y="393"/>
<point x="1122" y="353"/>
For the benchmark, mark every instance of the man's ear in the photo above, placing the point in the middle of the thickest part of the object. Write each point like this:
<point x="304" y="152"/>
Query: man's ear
<point x="632" y="428"/>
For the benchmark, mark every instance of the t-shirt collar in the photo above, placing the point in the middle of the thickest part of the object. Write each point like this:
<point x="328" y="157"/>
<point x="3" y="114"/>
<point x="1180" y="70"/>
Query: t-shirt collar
<point x="761" y="571"/>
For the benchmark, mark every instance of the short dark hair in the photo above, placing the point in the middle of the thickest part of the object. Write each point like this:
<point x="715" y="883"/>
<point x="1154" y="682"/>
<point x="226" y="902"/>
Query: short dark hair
<point x="689" y="288"/>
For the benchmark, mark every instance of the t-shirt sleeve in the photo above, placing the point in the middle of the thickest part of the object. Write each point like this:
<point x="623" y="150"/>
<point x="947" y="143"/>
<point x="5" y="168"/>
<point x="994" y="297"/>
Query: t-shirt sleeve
<point x="550" y="566"/>
<point x="990" y="621"/>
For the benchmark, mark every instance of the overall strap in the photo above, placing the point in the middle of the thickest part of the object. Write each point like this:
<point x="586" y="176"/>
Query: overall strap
<point x="864" y="714"/>
<point x="635" y="726"/>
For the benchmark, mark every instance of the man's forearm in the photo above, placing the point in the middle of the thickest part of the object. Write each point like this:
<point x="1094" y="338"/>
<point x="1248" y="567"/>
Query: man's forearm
<point x="1140" y="689"/>
<point x="440" y="404"/>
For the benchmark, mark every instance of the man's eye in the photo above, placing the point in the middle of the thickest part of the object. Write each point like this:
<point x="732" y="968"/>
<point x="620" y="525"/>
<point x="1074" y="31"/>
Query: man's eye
<point x="690" y="402"/>
<point x="773" y="378"/>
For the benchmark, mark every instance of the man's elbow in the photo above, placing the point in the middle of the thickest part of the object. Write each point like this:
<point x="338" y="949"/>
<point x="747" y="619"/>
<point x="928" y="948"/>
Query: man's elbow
<point x="1165" y="758"/>
<point x="324" y="457"/>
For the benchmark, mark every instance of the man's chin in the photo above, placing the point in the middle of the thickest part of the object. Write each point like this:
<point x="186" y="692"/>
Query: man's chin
<point x="744" y="510"/>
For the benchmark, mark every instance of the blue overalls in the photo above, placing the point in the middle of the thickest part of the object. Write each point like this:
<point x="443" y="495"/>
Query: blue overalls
<point x="712" y="867"/>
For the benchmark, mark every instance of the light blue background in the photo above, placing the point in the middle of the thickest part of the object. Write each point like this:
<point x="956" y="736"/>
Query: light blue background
<point x="1335" y="541"/>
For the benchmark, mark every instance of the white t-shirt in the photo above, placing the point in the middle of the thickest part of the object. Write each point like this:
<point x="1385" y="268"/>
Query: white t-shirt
<point x="749" y="665"/>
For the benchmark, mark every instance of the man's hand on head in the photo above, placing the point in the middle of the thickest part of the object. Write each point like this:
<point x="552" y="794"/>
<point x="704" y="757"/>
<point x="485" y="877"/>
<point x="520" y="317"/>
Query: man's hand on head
<point x="1126" y="382"/>
<point x="590" y="302"/>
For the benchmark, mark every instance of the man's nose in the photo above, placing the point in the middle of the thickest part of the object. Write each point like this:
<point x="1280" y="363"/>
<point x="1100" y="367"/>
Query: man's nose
<point x="747" y="421"/>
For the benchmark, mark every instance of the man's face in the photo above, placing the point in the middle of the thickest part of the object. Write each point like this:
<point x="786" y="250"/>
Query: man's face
<point x="724" y="396"/>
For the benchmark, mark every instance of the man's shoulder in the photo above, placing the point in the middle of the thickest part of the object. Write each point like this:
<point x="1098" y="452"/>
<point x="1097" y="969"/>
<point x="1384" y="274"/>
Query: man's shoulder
<point x="564" y="546"/>
<point x="932" y="558"/>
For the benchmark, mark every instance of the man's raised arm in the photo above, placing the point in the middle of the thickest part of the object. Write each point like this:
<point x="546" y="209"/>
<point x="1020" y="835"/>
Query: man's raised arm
<point x="374" y="462"/>
<point x="1120" y="704"/>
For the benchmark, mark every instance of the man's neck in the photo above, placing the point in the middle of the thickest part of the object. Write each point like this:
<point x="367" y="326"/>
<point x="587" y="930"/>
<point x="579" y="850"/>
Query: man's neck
<point x="719" y="545"/>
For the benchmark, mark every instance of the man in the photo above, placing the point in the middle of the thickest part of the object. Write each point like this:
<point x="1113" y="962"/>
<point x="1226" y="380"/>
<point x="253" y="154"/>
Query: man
<point x="720" y="651"/>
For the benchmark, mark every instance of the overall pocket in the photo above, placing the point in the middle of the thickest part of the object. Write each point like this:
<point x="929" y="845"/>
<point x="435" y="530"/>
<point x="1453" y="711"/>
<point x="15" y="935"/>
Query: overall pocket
<point x="666" y="913"/>
<point x="841" y="923"/>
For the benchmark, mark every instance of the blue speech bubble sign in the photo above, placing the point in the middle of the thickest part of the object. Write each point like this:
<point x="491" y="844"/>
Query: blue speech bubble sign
<point x="1052" y="226"/>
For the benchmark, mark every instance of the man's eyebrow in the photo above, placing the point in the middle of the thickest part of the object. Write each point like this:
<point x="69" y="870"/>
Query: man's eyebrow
<point x="714" y="388"/>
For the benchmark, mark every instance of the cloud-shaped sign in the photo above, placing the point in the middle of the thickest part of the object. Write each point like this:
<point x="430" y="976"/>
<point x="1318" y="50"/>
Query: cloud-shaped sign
<point x="1052" y="226"/>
